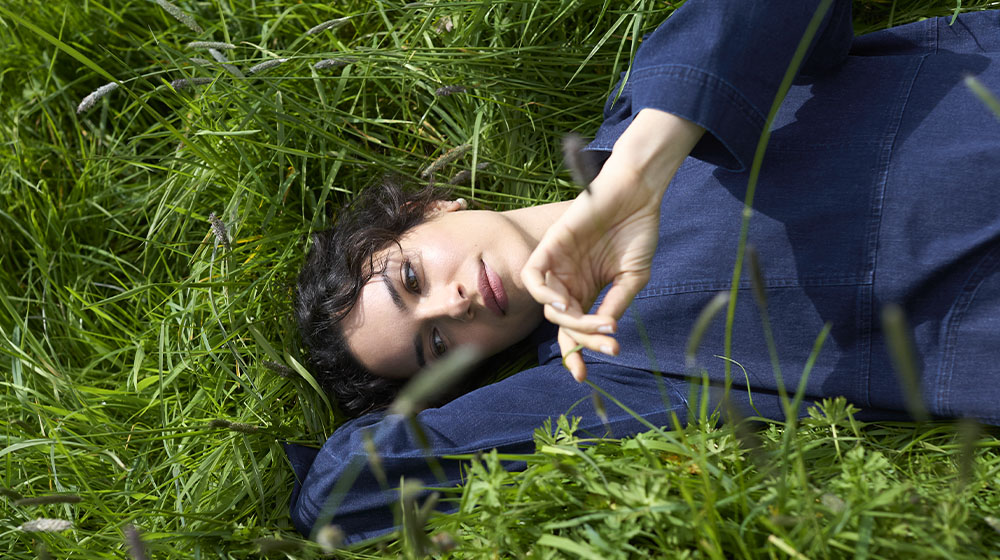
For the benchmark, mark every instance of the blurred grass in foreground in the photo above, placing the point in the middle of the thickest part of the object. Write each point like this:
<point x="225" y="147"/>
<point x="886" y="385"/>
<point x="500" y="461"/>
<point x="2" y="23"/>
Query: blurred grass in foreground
<point x="135" y="342"/>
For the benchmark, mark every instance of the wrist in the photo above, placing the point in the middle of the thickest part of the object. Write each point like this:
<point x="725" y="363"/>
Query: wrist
<point x="653" y="146"/>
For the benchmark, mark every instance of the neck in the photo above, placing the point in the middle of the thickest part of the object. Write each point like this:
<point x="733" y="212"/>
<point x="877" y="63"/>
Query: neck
<point x="534" y="221"/>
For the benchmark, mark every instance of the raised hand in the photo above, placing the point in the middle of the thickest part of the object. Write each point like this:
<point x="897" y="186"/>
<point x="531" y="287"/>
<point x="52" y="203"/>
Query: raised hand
<point x="608" y="236"/>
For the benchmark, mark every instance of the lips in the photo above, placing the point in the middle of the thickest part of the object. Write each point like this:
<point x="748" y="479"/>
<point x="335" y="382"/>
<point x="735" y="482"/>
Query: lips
<point x="491" y="288"/>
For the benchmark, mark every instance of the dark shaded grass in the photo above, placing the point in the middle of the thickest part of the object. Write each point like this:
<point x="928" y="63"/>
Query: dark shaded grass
<point x="133" y="343"/>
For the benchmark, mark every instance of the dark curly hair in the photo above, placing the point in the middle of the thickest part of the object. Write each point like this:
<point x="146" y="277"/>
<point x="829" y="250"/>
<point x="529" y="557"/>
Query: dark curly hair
<point x="340" y="263"/>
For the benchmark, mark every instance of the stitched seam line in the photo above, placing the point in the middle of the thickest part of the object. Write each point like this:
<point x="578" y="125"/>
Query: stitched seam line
<point x="691" y="74"/>
<point x="958" y="310"/>
<point x="876" y="222"/>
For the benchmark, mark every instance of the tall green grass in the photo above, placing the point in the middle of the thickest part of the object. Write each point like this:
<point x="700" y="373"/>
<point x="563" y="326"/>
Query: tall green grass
<point x="151" y="366"/>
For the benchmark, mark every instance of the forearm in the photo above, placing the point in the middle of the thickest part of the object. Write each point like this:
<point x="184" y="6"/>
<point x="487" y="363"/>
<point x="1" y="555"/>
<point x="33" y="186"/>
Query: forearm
<point x="652" y="147"/>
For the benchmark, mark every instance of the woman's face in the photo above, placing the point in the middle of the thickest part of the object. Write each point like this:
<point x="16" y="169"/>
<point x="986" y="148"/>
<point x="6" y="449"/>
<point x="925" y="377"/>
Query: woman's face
<point x="453" y="280"/>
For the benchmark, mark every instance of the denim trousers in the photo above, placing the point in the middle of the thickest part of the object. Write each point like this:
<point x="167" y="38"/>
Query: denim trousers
<point x="880" y="184"/>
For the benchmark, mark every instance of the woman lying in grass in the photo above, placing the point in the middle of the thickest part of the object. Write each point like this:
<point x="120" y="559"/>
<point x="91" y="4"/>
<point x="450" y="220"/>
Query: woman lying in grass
<point x="877" y="188"/>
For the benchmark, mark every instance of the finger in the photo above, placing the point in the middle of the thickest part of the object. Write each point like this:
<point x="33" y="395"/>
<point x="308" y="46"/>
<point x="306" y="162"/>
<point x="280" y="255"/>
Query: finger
<point x="566" y="302"/>
<point x="577" y="321"/>
<point x="533" y="276"/>
<point x="621" y="294"/>
<point x="596" y="342"/>
<point x="572" y="359"/>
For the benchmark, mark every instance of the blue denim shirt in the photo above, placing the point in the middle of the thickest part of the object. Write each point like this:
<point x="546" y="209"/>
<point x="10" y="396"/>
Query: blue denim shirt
<point x="878" y="185"/>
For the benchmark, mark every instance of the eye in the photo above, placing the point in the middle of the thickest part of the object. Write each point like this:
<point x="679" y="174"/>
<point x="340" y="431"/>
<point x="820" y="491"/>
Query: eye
<point x="437" y="344"/>
<point x="410" y="280"/>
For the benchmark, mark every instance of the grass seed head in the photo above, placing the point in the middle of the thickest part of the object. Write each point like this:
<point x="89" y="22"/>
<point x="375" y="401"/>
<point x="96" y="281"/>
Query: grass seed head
<point x="899" y="339"/>
<point x="45" y="500"/>
<point x="757" y="278"/>
<point x="266" y="65"/>
<point x="329" y="24"/>
<point x="219" y="229"/>
<point x="221" y="424"/>
<point x="46" y="525"/>
<point x="211" y="45"/>
<point x="277" y="546"/>
<point x="184" y="83"/>
<point x="87" y="102"/>
<point x="581" y="163"/>
<point x="445" y="158"/>
<point x="444" y="541"/>
<point x="281" y="369"/>
<point x="180" y="16"/>
<point x="333" y="63"/>
<point x="222" y="59"/>
<point x="714" y="306"/>
<point x="374" y="459"/>
<point x="218" y="55"/>
<point x="330" y="538"/>
<point x="445" y="91"/>
<point x="136" y="547"/>
<point x="832" y="502"/>
<point x="243" y="428"/>
<point x="444" y="25"/>
<point x="464" y="176"/>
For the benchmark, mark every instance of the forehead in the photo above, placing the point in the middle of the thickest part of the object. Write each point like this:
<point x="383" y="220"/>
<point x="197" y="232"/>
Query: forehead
<point x="377" y="332"/>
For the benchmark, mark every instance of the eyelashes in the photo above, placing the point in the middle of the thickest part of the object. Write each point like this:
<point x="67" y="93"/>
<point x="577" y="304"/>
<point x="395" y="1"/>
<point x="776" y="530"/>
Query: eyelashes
<point x="410" y="280"/>
<point x="438" y="345"/>
<point x="409" y="277"/>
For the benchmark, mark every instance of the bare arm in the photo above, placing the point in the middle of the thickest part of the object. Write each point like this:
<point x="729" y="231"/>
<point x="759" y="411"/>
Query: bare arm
<point x="609" y="235"/>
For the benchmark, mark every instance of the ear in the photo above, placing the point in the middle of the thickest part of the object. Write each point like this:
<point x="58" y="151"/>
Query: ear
<point x="441" y="206"/>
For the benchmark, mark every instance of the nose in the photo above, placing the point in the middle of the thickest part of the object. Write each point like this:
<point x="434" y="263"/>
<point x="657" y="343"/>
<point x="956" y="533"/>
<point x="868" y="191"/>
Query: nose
<point x="451" y="301"/>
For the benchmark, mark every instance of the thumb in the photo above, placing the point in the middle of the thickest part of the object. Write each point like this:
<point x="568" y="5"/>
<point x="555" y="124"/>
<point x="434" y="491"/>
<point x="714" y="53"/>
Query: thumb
<point x="622" y="292"/>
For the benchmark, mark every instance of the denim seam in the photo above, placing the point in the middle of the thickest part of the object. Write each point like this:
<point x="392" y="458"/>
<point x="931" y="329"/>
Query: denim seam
<point x="874" y="231"/>
<point x="953" y="322"/>
<point x="770" y="285"/>
<point x="789" y="148"/>
<point x="706" y="80"/>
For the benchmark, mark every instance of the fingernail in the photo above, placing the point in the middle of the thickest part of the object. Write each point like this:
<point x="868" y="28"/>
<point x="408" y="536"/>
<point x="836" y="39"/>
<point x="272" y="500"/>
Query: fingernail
<point x="606" y="329"/>
<point x="606" y="349"/>
<point x="559" y="306"/>
<point x="462" y="202"/>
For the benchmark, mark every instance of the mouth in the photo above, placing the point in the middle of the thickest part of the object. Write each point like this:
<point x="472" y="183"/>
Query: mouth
<point x="491" y="288"/>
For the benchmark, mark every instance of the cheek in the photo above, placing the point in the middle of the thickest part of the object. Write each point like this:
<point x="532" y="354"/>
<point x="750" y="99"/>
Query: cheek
<point x="445" y="253"/>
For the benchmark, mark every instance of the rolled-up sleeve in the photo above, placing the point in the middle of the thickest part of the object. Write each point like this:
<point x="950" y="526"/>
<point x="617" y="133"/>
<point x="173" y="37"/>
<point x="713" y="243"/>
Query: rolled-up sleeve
<point x="719" y="63"/>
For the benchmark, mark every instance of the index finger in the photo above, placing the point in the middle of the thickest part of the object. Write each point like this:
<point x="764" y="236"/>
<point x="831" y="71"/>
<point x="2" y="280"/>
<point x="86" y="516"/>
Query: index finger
<point x="534" y="275"/>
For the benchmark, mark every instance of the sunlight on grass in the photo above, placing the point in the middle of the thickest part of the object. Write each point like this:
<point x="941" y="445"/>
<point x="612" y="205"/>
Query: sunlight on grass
<point x="163" y="166"/>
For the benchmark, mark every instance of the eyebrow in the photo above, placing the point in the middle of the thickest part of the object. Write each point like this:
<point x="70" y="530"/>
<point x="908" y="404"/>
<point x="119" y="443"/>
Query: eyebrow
<point x="401" y="305"/>
<point x="393" y="293"/>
